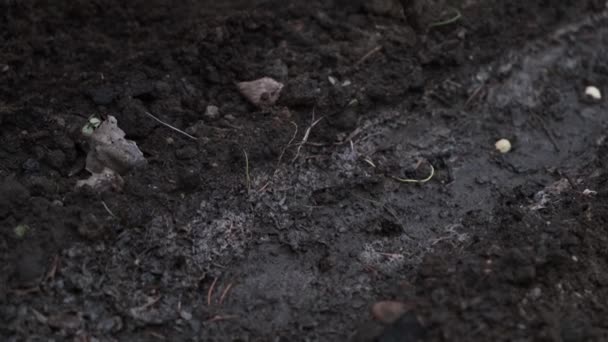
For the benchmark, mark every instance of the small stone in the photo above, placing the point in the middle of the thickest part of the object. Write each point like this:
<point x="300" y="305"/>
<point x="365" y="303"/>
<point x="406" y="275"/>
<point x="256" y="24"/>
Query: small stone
<point x="212" y="112"/>
<point x="185" y="315"/>
<point x="593" y="93"/>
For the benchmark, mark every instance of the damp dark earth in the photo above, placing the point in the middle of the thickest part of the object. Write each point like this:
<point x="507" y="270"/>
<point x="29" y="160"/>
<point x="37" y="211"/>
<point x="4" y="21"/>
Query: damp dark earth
<point x="367" y="203"/>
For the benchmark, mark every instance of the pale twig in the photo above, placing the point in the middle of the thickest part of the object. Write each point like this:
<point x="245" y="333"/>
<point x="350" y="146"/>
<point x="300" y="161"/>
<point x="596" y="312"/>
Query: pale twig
<point x="306" y="135"/>
<point x="368" y="55"/>
<point x="409" y="180"/>
<point x="210" y="292"/>
<point x="108" y="210"/>
<point x="455" y="18"/>
<point x="369" y="161"/>
<point x="247" y="170"/>
<point x="225" y="293"/>
<point x="221" y="318"/>
<point x="173" y="128"/>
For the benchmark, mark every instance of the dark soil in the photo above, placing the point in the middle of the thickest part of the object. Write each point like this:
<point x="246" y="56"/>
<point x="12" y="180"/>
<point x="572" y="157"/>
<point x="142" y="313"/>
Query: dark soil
<point x="270" y="228"/>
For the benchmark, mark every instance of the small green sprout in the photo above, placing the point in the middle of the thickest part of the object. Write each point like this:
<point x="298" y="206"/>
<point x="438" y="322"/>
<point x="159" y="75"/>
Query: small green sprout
<point x="91" y="126"/>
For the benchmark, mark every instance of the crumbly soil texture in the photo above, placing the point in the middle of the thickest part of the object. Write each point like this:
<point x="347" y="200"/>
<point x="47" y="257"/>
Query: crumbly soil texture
<point x="373" y="179"/>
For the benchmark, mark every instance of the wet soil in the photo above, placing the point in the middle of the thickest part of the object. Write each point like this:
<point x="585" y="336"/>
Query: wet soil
<point x="289" y="222"/>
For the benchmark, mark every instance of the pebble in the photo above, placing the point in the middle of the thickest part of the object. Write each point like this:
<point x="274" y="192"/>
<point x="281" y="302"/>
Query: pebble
<point x="185" y="315"/>
<point x="212" y="112"/>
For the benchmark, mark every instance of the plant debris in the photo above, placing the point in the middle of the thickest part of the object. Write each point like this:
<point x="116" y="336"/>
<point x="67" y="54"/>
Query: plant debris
<point x="262" y="92"/>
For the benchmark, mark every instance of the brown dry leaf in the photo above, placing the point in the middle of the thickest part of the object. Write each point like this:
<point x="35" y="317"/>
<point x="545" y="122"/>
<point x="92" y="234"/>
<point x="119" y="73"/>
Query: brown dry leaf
<point x="261" y="92"/>
<point x="388" y="312"/>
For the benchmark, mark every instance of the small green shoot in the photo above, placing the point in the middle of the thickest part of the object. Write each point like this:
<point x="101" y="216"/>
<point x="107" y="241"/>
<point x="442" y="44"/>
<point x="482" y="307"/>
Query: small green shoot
<point x="91" y="125"/>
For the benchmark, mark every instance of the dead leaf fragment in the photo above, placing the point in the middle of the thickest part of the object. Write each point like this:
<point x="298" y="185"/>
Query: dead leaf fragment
<point x="261" y="92"/>
<point x="388" y="312"/>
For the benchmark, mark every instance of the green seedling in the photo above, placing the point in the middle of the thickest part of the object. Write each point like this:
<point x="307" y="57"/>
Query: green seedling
<point x="91" y="126"/>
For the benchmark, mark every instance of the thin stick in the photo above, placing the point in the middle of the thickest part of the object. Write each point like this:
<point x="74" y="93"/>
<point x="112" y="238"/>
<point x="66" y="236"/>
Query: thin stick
<point x="474" y="95"/>
<point x="369" y="161"/>
<point x="453" y="19"/>
<point x="108" y="210"/>
<point x="408" y="180"/>
<point x="173" y="128"/>
<point x="210" y="292"/>
<point x="368" y="55"/>
<point x="306" y="135"/>
<point x="223" y="296"/>
<point x="51" y="273"/>
<point x="547" y="131"/>
<point x="247" y="170"/>
<point x="221" y="318"/>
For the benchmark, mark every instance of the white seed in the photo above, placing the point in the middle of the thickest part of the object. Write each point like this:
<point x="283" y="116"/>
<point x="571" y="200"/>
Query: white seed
<point x="503" y="145"/>
<point x="593" y="92"/>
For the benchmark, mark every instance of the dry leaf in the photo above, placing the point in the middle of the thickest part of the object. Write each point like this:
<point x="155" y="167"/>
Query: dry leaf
<point x="261" y="92"/>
